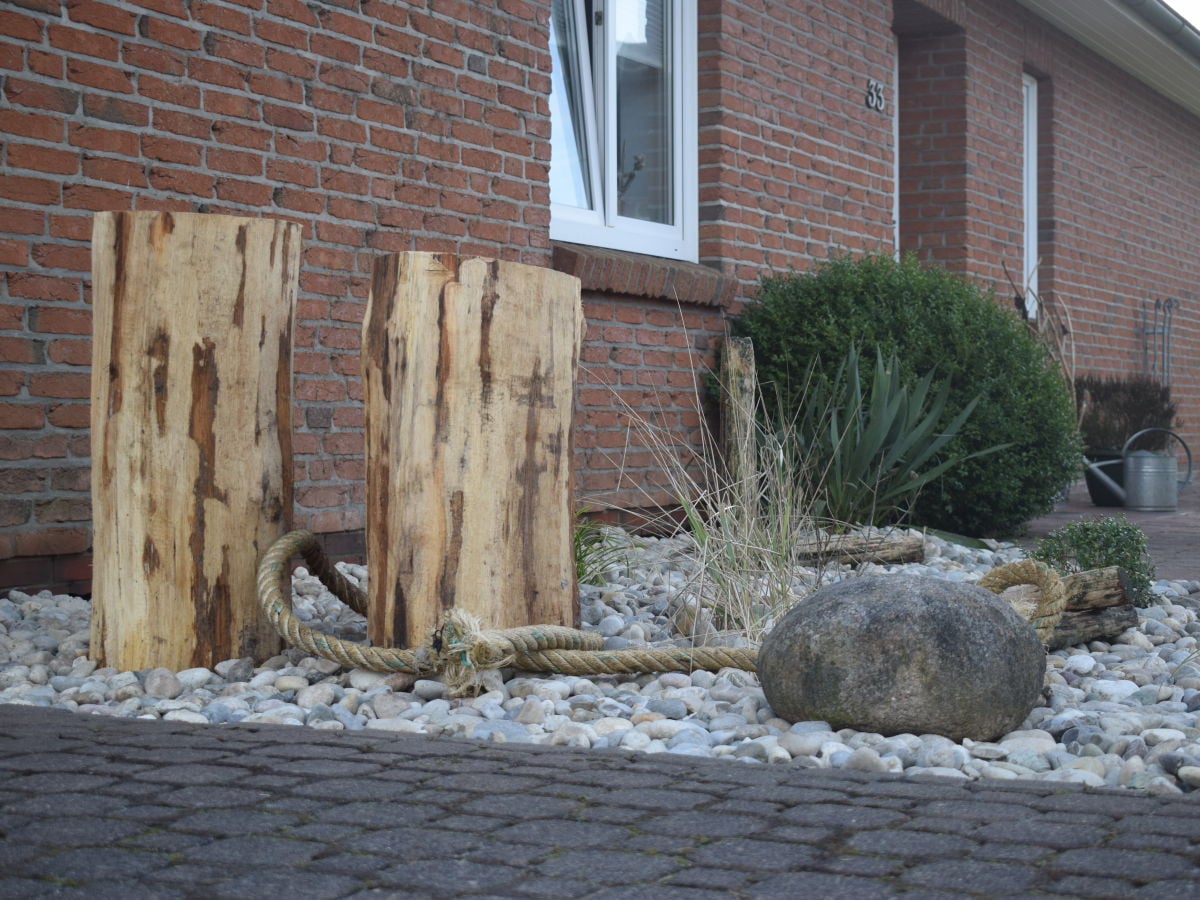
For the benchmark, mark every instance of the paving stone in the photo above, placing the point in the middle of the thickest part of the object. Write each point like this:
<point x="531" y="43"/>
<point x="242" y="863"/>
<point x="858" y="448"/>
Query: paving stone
<point x="195" y="774"/>
<point x="57" y="783"/>
<point x="1084" y="886"/>
<point x="615" y="815"/>
<point x="874" y="866"/>
<point x="1030" y="854"/>
<point x="818" y="884"/>
<point x="709" y="878"/>
<point x="450" y="876"/>
<point x="95" y="863"/>
<point x="357" y="864"/>
<point x="705" y="823"/>
<point x="233" y="822"/>
<point x="257" y="850"/>
<point x="551" y="887"/>
<point x="562" y="833"/>
<point x="752" y="854"/>
<point x="373" y="814"/>
<point x="1173" y="889"/>
<point x="76" y="831"/>
<point x="655" y="799"/>
<point x="659" y="892"/>
<point x="911" y="844"/>
<point x="1041" y="833"/>
<point x="412" y="843"/>
<point x="1130" y="864"/>
<point x="476" y="824"/>
<point x="843" y="817"/>
<point x="608" y="867"/>
<point x="982" y="877"/>
<point x="526" y="807"/>
<point x="1154" y="824"/>
<point x="205" y="797"/>
<point x="54" y="804"/>
<point x="286" y="883"/>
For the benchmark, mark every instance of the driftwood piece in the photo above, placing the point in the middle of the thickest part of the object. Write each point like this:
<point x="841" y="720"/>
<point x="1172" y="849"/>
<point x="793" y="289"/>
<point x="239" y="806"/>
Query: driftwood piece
<point x="857" y="548"/>
<point x="191" y="432"/>
<point x="469" y="382"/>
<point x="1082" y="626"/>
<point x="739" y="392"/>
<point x="1098" y="607"/>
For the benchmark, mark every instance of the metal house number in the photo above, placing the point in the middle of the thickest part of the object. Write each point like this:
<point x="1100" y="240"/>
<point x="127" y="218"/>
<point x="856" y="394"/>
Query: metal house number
<point x="875" y="96"/>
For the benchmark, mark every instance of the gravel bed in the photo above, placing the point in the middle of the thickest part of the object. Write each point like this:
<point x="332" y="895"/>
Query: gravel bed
<point x="1121" y="713"/>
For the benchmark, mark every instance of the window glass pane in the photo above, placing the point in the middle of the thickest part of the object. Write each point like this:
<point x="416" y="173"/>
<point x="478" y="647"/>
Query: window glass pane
<point x="644" y="152"/>
<point x="570" y="183"/>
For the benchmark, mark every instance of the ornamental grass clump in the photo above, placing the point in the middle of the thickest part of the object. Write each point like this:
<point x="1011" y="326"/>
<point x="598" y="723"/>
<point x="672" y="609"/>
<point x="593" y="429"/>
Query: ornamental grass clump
<point x="1096" y="544"/>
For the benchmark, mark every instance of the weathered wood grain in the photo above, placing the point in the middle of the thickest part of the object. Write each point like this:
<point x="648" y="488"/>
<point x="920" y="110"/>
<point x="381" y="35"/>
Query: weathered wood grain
<point x="191" y="432"/>
<point x="469" y="375"/>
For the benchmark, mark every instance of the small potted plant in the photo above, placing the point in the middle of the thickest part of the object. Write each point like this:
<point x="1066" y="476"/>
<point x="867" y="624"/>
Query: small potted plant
<point x="1112" y="409"/>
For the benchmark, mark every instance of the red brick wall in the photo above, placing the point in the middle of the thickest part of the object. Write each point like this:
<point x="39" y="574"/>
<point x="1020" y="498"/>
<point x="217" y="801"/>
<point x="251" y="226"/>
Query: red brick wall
<point x="1119" y="192"/>
<point x="379" y="126"/>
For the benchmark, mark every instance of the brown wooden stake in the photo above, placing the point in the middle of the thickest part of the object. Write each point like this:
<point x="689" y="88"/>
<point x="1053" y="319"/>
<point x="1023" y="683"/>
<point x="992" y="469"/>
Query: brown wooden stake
<point x="739" y="405"/>
<point x="469" y="381"/>
<point x="191" y="432"/>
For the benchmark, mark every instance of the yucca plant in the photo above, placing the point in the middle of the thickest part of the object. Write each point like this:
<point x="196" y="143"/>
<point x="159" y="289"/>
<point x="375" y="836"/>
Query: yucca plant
<point x="875" y="445"/>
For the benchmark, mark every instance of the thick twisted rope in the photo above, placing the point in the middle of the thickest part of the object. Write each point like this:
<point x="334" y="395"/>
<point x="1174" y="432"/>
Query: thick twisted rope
<point x="1043" y="613"/>
<point x="462" y="649"/>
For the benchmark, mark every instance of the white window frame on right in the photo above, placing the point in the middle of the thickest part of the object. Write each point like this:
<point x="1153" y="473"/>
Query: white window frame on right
<point x="590" y="171"/>
<point x="1029" y="193"/>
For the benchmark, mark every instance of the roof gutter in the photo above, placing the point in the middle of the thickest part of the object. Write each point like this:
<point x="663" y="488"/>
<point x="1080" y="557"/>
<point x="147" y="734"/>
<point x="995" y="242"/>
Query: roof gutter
<point x="1146" y="38"/>
<point x="1169" y="23"/>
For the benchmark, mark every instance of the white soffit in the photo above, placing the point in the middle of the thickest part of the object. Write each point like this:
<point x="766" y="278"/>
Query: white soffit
<point x="1115" y="31"/>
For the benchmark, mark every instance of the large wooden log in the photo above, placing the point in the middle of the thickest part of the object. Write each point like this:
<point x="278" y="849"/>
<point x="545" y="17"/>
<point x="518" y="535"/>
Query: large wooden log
<point x="857" y="548"/>
<point x="1082" y="626"/>
<point x="469" y="381"/>
<point x="1098" y="606"/>
<point x="191" y="432"/>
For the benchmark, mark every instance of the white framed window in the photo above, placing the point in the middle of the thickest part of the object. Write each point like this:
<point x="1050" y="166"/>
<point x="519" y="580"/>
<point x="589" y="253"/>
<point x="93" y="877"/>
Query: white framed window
<point x="1029" y="178"/>
<point x="623" y="125"/>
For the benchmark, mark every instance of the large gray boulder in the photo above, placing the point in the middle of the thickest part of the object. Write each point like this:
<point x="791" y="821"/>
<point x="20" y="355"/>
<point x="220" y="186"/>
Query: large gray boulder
<point x="895" y="654"/>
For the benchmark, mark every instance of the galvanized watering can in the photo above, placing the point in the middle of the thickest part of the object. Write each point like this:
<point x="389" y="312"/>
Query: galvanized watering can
<point x="1152" y="482"/>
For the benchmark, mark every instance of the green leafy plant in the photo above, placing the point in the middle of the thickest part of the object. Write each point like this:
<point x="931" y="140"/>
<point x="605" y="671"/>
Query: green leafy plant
<point x="1097" y="543"/>
<point x="1113" y="408"/>
<point x="595" y="554"/>
<point x="877" y="441"/>
<point x="933" y="321"/>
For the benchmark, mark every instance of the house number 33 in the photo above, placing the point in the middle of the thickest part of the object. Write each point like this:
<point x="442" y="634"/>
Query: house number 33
<point x="875" y="96"/>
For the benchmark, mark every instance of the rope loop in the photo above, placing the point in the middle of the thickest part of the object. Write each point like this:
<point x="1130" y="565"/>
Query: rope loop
<point x="1043" y="613"/>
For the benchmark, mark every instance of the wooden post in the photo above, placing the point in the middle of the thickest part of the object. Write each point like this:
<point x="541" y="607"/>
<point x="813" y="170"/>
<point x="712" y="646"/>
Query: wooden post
<point x="469" y="381"/>
<point x="191" y="432"/>
<point x="739" y="405"/>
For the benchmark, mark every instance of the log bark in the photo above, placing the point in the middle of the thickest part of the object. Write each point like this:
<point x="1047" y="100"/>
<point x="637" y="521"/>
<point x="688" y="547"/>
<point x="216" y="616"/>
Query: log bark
<point x="1093" y="589"/>
<point x="469" y="380"/>
<point x="855" y="548"/>
<point x="1098" y="606"/>
<point x="191" y="432"/>
<point x="739" y="392"/>
<point x="1081" y="626"/>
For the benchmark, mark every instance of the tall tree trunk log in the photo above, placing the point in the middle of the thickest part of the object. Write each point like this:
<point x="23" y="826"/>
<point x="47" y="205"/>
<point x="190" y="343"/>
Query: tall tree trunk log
<point x="191" y="432"/>
<point x="469" y="379"/>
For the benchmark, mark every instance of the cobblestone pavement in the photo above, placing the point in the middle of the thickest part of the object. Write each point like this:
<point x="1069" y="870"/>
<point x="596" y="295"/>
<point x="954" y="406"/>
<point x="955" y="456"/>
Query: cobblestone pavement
<point x="97" y="807"/>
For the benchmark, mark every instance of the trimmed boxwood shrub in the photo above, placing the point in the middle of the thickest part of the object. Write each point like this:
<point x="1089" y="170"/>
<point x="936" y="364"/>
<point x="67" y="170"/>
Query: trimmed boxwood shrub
<point x="933" y="321"/>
